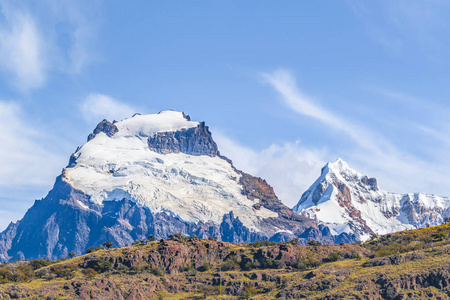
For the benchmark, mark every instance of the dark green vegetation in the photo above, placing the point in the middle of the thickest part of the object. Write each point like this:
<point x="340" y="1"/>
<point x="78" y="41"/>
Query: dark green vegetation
<point x="406" y="265"/>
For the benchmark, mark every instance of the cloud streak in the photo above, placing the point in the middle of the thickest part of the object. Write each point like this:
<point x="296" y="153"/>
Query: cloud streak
<point x="285" y="84"/>
<point x="36" y="41"/>
<point x="21" y="50"/>
<point x="402" y="26"/>
<point x="289" y="167"/>
<point x="23" y="159"/>
<point x="29" y="163"/>
<point x="98" y="106"/>
<point x="398" y="170"/>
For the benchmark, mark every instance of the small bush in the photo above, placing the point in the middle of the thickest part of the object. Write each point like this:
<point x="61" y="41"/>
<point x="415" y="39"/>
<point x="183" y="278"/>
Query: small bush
<point x="307" y="263"/>
<point x="248" y="266"/>
<point x="440" y="235"/>
<point x="249" y="291"/>
<point x="383" y="252"/>
<point x="206" y="266"/>
<point x="156" y="271"/>
<point x="99" y="265"/>
<point x="229" y="265"/>
<point x="313" y="243"/>
<point x="92" y="249"/>
<point x="63" y="271"/>
<point x="256" y="244"/>
<point x="89" y="273"/>
<point x="108" y="244"/>
<point x="295" y="241"/>
<point x="39" y="263"/>
<point x="334" y="256"/>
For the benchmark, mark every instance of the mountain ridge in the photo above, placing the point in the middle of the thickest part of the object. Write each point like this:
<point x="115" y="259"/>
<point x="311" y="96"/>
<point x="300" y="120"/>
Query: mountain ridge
<point x="347" y="201"/>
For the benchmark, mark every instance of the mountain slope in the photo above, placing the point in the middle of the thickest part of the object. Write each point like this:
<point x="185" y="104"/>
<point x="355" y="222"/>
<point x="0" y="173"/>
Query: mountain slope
<point x="155" y="174"/>
<point x="347" y="201"/>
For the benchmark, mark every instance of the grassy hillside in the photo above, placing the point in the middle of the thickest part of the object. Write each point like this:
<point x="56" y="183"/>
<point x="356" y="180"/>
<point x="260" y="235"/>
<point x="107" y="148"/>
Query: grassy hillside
<point x="412" y="264"/>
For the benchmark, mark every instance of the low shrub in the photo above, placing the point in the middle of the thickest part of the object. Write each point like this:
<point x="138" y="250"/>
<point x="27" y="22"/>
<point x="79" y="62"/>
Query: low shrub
<point x="156" y="271"/>
<point x="89" y="273"/>
<point x="205" y="267"/>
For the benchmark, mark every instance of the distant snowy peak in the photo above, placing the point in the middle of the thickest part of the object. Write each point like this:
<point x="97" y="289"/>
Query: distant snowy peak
<point x="340" y="170"/>
<point x="347" y="201"/>
<point x="333" y="174"/>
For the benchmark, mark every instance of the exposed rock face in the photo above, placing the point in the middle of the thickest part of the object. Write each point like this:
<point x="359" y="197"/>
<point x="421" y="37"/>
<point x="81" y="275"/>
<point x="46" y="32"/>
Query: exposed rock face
<point x="192" y="141"/>
<point x="6" y="239"/>
<point x="347" y="201"/>
<point x="372" y="182"/>
<point x="104" y="126"/>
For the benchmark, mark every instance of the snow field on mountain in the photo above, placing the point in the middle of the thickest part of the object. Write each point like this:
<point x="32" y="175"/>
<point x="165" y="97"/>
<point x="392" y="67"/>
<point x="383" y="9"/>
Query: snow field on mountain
<point x="147" y="125"/>
<point x="194" y="188"/>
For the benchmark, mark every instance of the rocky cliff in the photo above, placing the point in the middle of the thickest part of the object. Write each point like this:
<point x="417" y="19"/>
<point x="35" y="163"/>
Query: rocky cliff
<point x="192" y="141"/>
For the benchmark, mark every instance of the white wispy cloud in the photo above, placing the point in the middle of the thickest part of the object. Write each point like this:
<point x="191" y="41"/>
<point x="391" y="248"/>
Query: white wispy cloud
<point x="23" y="158"/>
<point x="289" y="168"/>
<point x="285" y="84"/>
<point x="30" y="160"/>
<point x="73" y="28"/>
<point x="400" y="25"/>
<point x="21" y="50"/>
<point x="97" y="107"/>
<point x="38" y="39"/>
<point x="398" y="169"/>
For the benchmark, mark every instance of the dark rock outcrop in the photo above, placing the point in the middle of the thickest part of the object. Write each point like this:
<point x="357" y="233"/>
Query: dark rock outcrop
<point x="104" y="126"/>
<point x="372" y="182"/>
<point x="192" y="141"/>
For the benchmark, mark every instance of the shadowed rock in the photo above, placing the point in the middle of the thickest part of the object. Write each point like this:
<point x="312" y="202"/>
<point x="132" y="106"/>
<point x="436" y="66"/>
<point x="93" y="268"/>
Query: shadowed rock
<point x="192" y="141"/>
<point x="104" y="126"/>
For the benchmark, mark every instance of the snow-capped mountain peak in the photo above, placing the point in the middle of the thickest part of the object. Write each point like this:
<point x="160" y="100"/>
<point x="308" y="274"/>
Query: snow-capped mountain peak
<point x="340" y="170"/>
<point x="347" y="201"/>
<point x="339" y="167"/>
<point x="147" y="125"/>
<point x="151" y="159"/>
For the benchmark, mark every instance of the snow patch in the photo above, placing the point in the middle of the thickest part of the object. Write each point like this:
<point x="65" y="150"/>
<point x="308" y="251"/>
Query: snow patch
<point x="83" y="206"/>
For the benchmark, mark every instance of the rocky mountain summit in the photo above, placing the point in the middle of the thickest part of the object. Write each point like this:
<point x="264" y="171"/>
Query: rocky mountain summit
<point x="154" y="174"/>
<point x="346" y="201"/>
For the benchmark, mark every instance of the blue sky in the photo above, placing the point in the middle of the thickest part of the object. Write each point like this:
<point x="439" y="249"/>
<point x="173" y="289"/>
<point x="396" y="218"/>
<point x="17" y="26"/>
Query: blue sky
<point x="285" y="86"/>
